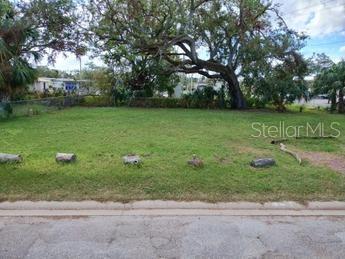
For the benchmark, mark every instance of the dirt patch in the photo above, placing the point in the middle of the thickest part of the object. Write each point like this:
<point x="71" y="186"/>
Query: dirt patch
<point x="333" y="161"/>
<point x="251" y="150"/>
<point x="222" y="160"/>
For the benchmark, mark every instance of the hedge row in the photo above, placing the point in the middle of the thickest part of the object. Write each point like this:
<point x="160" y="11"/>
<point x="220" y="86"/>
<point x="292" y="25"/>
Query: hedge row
<point x="173" y="103"/>
<point x="153" y="102"/>
<point x="96" y="101"/>
<point x="149" y="102"/>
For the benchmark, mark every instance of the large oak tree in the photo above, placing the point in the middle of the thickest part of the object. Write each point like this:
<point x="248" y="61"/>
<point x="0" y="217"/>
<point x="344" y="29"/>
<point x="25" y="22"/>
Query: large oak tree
<point x="219" y="39"/>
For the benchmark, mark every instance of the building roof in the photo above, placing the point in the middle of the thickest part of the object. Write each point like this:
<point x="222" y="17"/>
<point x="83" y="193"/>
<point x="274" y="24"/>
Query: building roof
<point x="49" y="79"/>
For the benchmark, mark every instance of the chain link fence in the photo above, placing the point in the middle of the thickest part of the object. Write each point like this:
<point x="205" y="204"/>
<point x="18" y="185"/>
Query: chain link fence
<point x="37" y="106"/>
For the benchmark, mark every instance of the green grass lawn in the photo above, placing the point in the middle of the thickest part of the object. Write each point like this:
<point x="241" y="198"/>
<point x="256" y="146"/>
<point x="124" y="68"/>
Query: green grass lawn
<point x="166" y="139"/>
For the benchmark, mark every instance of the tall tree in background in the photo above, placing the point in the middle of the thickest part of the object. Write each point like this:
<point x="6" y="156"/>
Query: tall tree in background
<point x="320" y="62"/>
<point x="146" y="76"/>
<point x="283" y="83"/>
<point x="15" y="70"/>
<point x="330" y="80"/>
<point x="219" y="39"/>
<point x="97" y="78"/>
<point x="29" y="30"/>
<point x="340" y="71"/>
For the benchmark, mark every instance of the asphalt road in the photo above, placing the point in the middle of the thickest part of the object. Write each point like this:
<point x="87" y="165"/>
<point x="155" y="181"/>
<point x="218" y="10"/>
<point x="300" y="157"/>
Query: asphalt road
<point x="172" y="237"/>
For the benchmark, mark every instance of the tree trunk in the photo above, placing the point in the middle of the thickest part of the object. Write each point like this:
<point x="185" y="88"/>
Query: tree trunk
<point x="341" y="105"/>
<point x="237" y="98"/>
<point x="4" y="94"/>
<point x="280" y="107"/>
<point x="333" y="101"/>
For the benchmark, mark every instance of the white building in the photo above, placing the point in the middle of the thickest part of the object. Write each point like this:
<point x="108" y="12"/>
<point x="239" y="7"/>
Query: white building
<point x="43" y="84"/>
<point x="66" y="85"/>
<point x="200" y="85"/>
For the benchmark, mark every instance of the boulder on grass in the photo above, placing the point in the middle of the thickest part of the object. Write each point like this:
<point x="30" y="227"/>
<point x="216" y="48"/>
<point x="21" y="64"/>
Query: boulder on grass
<point x="132" y="160"/>
<point x="65" y="158"/>
<point x="10" y="158"/>
<point x="195" y="162"/>
<point x="263" y="162"/>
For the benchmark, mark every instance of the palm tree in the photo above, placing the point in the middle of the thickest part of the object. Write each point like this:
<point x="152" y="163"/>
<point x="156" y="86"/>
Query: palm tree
<point x="28" y="30"/>
<point x="340" y="71"/>
<point x="16" y="72"/>
<point x="331" y="81"/>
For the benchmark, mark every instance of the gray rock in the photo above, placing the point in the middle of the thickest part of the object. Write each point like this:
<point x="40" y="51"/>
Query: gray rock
<point x="196" y="162"/>
<point x="10" y="158"/>
<point x="132" y="160"/>
<point x="65" y="158"/>
<point x="263" y="162"/>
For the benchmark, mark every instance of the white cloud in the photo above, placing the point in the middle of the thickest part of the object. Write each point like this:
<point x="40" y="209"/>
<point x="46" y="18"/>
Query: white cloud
<point x="336" y="59"/>
<point x="317" y="18"/>
<point x="69" y="62"/>
<point x="342" y="49"/>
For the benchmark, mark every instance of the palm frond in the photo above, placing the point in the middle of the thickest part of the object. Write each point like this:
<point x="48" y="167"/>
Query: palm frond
<point x="22" y="72"/>
<point x="4" y="51"/>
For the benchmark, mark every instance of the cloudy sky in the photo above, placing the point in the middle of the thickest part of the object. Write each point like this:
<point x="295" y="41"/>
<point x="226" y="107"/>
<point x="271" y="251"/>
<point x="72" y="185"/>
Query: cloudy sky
<point x="322" y="20"/>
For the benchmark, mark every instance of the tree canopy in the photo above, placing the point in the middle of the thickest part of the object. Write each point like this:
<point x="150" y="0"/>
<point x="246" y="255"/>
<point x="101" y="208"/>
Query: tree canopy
<point x="219" y="39"/>
<point x="29" y="30"/>
<point x="147" y="43"/>
<point x="330" y="80"/>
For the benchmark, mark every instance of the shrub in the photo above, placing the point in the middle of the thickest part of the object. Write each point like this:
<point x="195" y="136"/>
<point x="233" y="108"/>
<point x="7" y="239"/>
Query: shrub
<point x="185" y="102"/>
<point x="154" y="102"/>
<point x="6" y="110"/>
<point x="96" y="101"/>
<point x="254" y="102"/>
<point x="33" y="110"/>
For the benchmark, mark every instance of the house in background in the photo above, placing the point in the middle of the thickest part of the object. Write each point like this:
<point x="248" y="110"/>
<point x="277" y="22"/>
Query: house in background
<point x="65" y="85"/>
<point x="200" y="84"/>
<point x="44" y="84"/>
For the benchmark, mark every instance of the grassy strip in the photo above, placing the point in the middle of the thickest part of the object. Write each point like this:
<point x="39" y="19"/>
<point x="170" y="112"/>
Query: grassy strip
<point x="165" y="139"/>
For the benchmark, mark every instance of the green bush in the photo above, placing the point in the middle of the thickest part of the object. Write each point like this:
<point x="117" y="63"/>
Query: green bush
<point x="154" y="102"/>
<point x="185" y="102"/>
<point x="6" y="110"/>
<point x="96" y="101"/>
<point x="253" y="102"/>
<point x="33" y="110"/>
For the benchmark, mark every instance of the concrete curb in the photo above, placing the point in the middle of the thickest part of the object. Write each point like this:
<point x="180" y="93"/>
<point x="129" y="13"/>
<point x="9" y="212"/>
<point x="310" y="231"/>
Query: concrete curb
<point x="171" y="212"/>
<point x="168" y="205"/>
